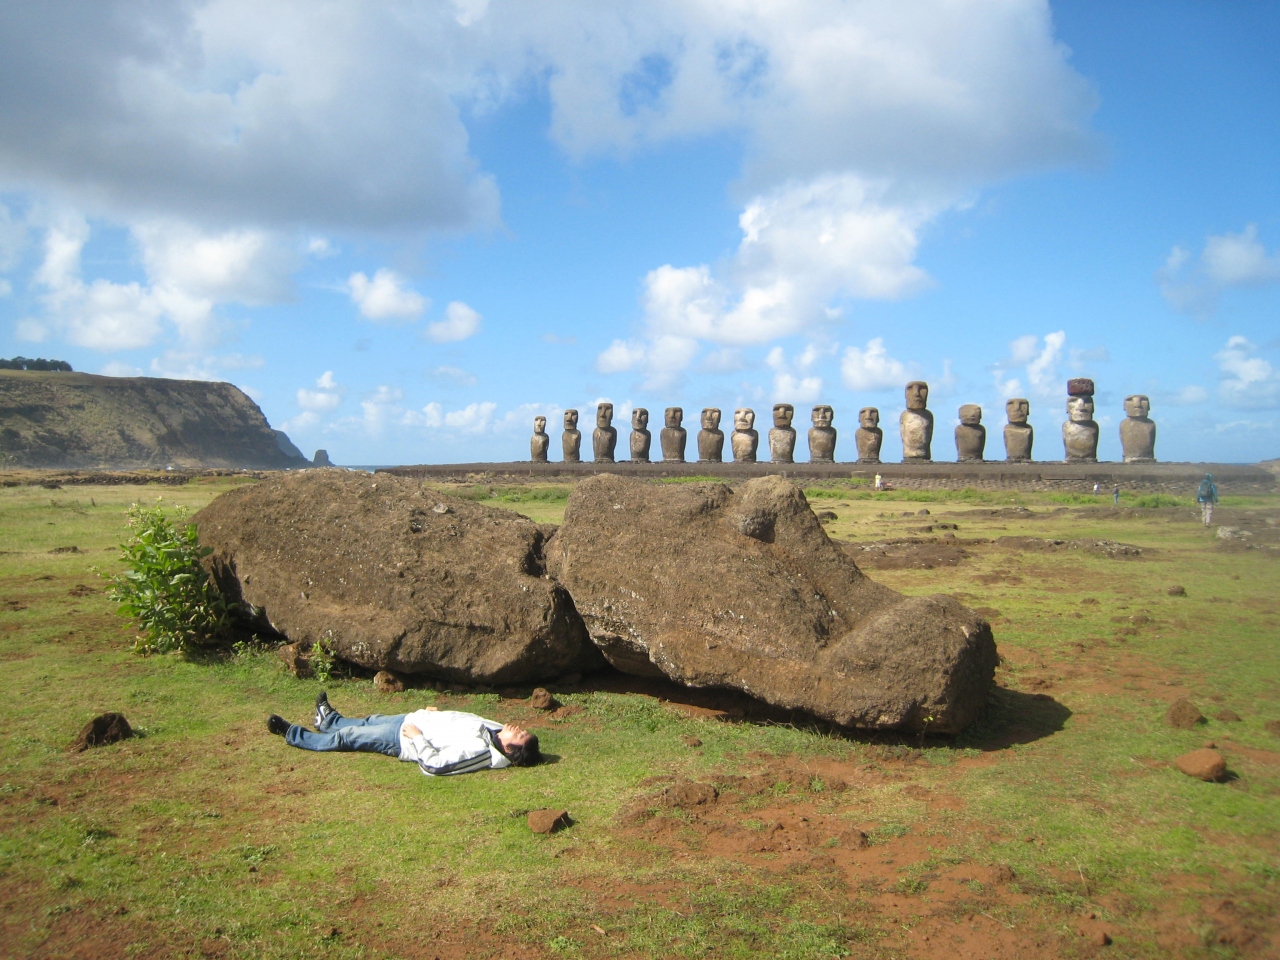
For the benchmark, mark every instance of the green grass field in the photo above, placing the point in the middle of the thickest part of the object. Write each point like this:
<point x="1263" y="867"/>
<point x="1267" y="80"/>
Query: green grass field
<point x="1056" y="822"/>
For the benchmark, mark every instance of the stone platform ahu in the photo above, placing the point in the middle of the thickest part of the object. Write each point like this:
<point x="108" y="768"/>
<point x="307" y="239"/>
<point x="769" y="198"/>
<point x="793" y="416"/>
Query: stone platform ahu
<point x="743" y="589"/>
<point x="393" y="576"/>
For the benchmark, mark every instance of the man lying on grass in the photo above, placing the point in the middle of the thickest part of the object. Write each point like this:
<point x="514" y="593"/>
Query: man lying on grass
<point x="440" y="742"/>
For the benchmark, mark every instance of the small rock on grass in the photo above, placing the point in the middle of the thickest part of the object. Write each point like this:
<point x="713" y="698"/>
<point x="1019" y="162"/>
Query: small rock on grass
<point x="541" y="699"/>
<point x="384" y="681"/>
<point x="1227" y="716"/>
<point x="101" y="730"/>
<point x="1202" y="764"/>
<point x="689" y="740"/>
<point x="1183" y="715"/>
<point x="548" y="821"/>
<point x="1177" y="591"/>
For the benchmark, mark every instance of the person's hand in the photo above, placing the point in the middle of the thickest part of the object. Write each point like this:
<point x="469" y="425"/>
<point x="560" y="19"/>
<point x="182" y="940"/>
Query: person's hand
<point x="412" y="731"/>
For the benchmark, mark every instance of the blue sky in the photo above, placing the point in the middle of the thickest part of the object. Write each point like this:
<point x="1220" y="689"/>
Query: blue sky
<point x="406" y="228"/>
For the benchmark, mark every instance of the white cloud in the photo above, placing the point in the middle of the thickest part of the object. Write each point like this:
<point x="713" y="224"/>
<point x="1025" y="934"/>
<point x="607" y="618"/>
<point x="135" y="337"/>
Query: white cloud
<point x="117" y="368"/>
<point x="792" y="381"/>
<point x="619" y="356"/>
<point x="871" y="368"/>
<point x="1249" y="381"/>
<point x="1188" y="395"/>
<point x="326" y="381"/>
<point x="321" y="248"/>
<point x="307" y="420"/>
<point x="451" y="375"/>
<point x="327" y="395"/>
<point x="386" y="297"/>
<point x="1227" y="261"/>
<point x="196" y="365"/>
<point x="1038" y="361"/>
<point x="459" y="323"/>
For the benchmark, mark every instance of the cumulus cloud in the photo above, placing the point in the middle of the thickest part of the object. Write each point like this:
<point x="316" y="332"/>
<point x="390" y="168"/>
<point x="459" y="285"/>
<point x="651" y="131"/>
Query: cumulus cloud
<point x="235" y="111"/>
<point x="1249" y="382"/>
<point x="1194" y="286"/>
<point x="459" y="323"/>
<point x="619" y="356"/>
<point x="871" y="368"/>
<point x="386" y="297"/>
<point x="1031" y="368"/>
<point x="792" y="380"/>
<point x="327" y="395"/>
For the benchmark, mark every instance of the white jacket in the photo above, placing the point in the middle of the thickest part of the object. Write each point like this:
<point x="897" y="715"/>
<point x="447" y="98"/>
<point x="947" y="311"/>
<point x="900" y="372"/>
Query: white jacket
<point x="451" y="742"/>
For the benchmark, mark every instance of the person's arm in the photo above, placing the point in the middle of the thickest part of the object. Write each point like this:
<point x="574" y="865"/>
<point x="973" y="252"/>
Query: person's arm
<point x="466" y="755"/>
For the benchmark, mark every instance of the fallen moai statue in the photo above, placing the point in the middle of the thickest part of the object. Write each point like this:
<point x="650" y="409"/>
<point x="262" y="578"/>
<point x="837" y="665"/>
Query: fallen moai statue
<point x="743" y="589"/>
<point x="392" y="576"/>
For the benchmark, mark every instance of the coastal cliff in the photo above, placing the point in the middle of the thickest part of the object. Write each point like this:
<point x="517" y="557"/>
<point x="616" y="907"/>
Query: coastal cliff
<point x="63" y="420"/>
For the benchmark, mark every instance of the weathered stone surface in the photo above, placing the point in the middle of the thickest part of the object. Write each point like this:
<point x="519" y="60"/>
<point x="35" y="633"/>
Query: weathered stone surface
<point x="673" y="436"/>
<point x="548" y="821"/>
<point x="541" y="699"/>
<point x="396" y="577"/>
<point x="1183" y="715"/>
<point x="1018" y="434"/>
<point x="605" y="438"/>
<point x="869" y="436"/>
<point x="744" y="590"/>
<point x="1204" y="764"/>
<point x="384" y="681"/>
<point x="571" y="438"/>
<point x="102" y="730"/>
<point x="916" y="423"/>
<point x="745" y="439"/>
<point x="1138" y="430"/>
<point x="539" y="443"/>
<point x="711" y="437"/>
<point x="782" y="436"/>
<point x="822" y="436"/>
<point x="1227" y="715"/>
<point x="971" y="435"/>
<point x="295" y="658"/>
<point x="641" y="438"/>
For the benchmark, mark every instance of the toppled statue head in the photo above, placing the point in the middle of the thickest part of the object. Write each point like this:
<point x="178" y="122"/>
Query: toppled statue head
<point x="917" y="393"/>
<point x="783" y="413"/>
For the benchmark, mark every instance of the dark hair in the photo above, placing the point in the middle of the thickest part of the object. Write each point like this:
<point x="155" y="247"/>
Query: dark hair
<point x="525" y="754"/>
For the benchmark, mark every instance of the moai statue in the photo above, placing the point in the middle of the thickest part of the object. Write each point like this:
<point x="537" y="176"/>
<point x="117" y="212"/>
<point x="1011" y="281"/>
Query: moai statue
<point x="641" y="438"/>
<point x="1080" y="433"/>
<point x="822" y="435"/>
<point x="746" y="439"/>
<point x="1018" y="434"/>
<point x="869" y="436"/>
<point x="1137" y="430"/>
<point x="916" y="423"/>
<point x="539" y="442"/>
<point x="604" y="440"/>
<point x="971" y="435"/>
<point x="571" y="439"/>
<point x="673" y="436"/>
<point x="782" y="436"/>
<point x="710" y="437"/>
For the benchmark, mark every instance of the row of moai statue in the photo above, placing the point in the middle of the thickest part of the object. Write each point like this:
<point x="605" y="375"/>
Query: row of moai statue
<point x="1079" y="432"/>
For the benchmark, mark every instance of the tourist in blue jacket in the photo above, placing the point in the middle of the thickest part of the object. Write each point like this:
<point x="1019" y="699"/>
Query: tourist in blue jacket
<point x="1207" y="495"/>
<point x="441" y="742"/>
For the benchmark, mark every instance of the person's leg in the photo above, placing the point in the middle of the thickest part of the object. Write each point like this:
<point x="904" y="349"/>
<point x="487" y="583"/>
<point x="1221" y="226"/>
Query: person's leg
<point x="1208" y="512"/>
<point x="383" y="737"/>
<point x="339" y="722"/>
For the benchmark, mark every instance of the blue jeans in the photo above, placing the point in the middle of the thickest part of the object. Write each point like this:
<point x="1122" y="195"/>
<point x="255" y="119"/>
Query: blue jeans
<point x="375" y="734"/>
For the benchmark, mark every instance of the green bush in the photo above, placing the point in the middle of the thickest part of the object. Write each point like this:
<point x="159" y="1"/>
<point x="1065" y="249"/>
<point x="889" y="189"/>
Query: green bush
<point x="165" y="588"/>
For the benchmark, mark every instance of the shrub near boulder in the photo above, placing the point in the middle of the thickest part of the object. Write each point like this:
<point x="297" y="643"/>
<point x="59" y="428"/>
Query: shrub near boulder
<point x="391" y="576"/>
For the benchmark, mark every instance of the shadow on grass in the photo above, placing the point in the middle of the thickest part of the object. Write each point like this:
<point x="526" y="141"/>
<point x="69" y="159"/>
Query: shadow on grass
<point x="1013" y="717"/>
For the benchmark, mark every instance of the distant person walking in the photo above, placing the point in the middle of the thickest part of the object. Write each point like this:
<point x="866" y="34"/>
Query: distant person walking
<point x="1095" y="489"/>
<point x="1115" y="495"/>
<point x="1207" y="496"/>
<point x="879" y="480"/>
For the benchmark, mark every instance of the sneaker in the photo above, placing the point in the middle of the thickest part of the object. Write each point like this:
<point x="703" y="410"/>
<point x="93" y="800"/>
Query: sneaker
<point x="278" y="725"/>
<point x="323" y="710"/>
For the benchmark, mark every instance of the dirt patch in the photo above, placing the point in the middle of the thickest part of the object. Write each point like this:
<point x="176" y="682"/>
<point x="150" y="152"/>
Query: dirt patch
<point x="1104" y="548"/>
<point x="908" y="553"/>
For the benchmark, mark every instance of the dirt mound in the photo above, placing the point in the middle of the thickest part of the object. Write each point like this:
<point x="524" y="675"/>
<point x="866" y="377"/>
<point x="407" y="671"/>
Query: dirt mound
<point x="102" y="730"/>
<point x="394" y="577"/>
<point x="1106" y="548"/>
<point x="744" y="590"/>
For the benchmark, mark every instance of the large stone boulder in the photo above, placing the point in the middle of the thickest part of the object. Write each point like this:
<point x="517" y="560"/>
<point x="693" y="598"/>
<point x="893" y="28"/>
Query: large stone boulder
<point x="392" y="576"/>
<point x="743" y="589"/>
